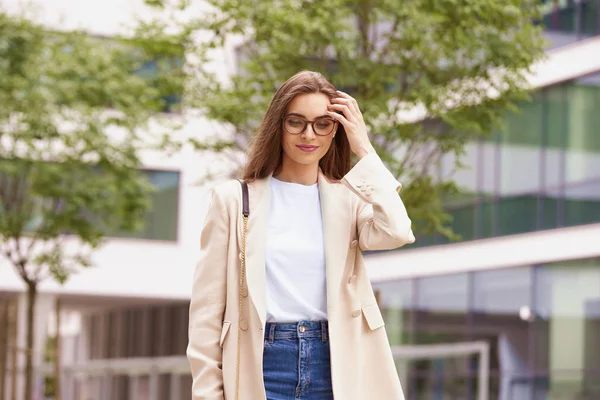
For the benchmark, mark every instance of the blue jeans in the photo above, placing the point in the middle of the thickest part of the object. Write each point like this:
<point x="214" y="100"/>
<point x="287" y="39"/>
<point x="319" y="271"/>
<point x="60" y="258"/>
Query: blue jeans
<point x="296" y="364"/>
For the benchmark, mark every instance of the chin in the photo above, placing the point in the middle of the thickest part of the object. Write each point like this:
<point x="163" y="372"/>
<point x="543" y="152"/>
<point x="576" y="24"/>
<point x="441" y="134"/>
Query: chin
<point x="307" y="159"/>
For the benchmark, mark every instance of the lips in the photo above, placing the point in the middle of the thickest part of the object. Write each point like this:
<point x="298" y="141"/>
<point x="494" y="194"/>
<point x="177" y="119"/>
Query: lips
<point x="307" y="148"/>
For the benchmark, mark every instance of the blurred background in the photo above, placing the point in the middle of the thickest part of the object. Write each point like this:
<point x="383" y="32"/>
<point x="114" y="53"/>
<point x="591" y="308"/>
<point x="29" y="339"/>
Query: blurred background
<point x="118" y="116"/>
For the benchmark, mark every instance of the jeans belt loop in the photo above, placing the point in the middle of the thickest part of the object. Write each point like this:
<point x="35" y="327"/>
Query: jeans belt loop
<point x="272" y="333"/>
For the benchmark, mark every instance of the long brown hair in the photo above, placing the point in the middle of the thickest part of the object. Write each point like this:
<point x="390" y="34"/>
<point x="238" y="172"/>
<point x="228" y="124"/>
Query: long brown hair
<point x="266" y="150"/>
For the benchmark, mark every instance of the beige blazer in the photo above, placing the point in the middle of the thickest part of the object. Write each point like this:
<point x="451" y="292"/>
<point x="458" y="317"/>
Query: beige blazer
<point x="362" y="212"/>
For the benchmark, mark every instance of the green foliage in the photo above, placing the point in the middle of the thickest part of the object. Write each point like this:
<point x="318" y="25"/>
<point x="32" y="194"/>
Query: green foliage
<point x="49" y="357"/>
<point x="441" y="55"/>
<point x="75" y="116"/>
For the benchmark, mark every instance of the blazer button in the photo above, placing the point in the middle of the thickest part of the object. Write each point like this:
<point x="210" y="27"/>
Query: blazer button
<point x="356" y="313"/>
<point x="244" y="325"/>
<point x="352" y="279"/>
<point x="353" y="244"/>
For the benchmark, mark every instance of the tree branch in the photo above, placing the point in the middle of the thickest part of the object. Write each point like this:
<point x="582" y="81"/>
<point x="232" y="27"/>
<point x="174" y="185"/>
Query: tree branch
<point x="10" y="254"/>
<point x="43" y="227"/>
<point x="386" y="49"/>
<point x="408" y="155"/>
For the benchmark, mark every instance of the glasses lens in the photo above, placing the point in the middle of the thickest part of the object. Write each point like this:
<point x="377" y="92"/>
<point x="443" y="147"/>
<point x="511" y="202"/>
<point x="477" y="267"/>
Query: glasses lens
<point x="294" y="125"/>
<point x="324" y="126"/>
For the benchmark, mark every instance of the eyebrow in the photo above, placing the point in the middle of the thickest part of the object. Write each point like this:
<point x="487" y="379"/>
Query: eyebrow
<point x="302" y="116"/>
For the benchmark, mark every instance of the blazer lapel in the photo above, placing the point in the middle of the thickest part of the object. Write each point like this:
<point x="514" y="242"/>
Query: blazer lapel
<point x="259" y="197"/>
<point x="336" y="232"/>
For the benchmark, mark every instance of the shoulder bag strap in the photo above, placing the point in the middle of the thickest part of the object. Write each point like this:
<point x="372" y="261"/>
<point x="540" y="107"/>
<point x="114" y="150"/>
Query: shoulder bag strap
<point x="243" y="286"/>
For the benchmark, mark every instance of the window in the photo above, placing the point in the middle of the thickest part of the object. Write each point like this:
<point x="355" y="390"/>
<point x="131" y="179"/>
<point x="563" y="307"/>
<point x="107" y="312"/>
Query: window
<point x="573" y="19"/>
<point x="541" y="172"/>
<point x="567" y="319"/>
<point x="162" y="219"/>
<point x="152" y="70"/>
<point x="163" y="68"/>
<point x="542" y="323"/>
<point x="501" y="310"/>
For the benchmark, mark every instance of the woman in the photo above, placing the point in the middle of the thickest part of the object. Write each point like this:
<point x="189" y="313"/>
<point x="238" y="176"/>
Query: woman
<point x="310" y="325"/>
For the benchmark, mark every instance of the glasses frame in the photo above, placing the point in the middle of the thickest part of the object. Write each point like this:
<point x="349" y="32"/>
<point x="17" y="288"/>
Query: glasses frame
<point x="308" y="122"/>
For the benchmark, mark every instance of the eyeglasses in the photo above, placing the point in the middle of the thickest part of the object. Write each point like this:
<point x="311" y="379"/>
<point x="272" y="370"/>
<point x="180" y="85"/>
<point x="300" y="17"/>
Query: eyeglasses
<point x="321" y="126"/>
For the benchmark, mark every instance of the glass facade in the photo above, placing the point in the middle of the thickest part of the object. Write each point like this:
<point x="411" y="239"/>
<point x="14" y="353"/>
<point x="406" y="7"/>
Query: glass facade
<point x="542" y="171"/>
<point x="153" y="67"/>
<point x="542" y="323"/>
<point x="136" y="333"/>
<point x="153" y="331"/>
<point x="162" y="220"/>
<point x="567" y="21"/>
<point x="152" y="70"/>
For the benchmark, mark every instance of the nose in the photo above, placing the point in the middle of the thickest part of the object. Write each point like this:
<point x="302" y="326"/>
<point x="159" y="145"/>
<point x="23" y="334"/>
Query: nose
<point x="308" y="133"/>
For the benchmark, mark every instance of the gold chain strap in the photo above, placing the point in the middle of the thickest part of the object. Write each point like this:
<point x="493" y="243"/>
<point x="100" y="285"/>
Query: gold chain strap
<point x="241" y="316"/>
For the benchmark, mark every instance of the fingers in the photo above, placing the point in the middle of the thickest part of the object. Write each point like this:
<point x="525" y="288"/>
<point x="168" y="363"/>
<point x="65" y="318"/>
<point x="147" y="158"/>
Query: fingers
<point x="341" y="119"/>
<point x="348" y="104"/>
<point x="349" y="101"/>
<point x="348" y="113"/>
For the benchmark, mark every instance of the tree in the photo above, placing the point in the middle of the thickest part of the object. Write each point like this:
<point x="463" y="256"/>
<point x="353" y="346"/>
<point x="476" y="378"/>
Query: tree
<point x="75" y="117"/>
<point x="421" y="71"/>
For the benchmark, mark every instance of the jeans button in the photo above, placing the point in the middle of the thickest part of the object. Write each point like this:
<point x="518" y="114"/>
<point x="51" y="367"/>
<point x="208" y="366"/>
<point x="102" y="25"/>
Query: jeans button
<point x="302" y="329"/>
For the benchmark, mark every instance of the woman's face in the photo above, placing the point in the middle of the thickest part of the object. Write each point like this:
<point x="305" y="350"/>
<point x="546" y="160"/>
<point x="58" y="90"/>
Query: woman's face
<point x="308" y="147"/>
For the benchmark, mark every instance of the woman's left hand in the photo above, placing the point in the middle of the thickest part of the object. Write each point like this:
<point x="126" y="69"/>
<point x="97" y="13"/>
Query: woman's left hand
<point x="353" y="122"/>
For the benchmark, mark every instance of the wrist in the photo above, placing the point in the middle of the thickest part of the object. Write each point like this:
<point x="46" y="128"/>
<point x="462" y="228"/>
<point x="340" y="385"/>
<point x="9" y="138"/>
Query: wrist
<point x="364" y="150"/>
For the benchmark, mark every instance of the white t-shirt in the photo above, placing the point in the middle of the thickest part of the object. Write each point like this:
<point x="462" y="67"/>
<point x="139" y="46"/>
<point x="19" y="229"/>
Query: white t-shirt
<point x="295" y="258"/>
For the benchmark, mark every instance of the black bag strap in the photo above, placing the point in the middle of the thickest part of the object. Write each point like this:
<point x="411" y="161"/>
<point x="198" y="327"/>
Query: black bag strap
<point x="245" y="199"/>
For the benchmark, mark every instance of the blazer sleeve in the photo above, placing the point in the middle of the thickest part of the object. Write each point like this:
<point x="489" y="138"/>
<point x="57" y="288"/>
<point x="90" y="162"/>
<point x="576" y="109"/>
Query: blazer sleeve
<point x="382" y="220"/>
<point x="207" y="304"/>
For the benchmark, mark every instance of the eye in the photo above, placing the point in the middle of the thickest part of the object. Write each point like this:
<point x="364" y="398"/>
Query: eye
<point x="294" y="122"/>
<point x="324" y="123"/>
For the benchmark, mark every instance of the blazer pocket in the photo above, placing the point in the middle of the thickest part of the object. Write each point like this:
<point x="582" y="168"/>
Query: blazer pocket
<point x="224" y="330"/>
<point x="373" y="316"/>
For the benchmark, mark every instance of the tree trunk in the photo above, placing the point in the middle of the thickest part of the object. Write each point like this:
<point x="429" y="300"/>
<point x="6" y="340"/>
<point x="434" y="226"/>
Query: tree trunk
<point x="30" y="330"/>
<point x="57" y="354"/>
<point x="14" y="336"/>
<point x="4" y="319"/>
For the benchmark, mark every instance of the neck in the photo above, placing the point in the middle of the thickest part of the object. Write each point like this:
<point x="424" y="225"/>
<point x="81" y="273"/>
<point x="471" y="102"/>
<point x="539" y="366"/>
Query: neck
<point x="298" y="173"/>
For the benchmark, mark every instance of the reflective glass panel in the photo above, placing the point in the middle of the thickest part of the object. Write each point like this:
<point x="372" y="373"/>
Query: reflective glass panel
<point x="162" y="219"/>
<point x="567" y="319"/>
<point x="501" y="314"/>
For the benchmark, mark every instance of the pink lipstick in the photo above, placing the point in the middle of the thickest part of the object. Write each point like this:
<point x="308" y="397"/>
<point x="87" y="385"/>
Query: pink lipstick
<point x="307" y="148"/>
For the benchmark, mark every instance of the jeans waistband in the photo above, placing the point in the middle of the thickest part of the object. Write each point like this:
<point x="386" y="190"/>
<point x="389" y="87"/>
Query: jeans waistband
<point x="295" y="330"/>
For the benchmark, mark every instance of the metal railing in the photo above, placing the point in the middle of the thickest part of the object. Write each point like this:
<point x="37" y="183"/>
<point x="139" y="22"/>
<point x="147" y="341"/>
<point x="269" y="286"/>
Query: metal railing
<point x="94" y="379"/>
<point x="452" y="350"/>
